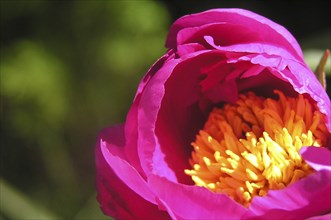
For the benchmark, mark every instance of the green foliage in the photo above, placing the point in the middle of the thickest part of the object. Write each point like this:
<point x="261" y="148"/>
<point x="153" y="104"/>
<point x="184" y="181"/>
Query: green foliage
<point x="68" y="69"/>
<point x="14" y="201"/>
<point x="34" y="80"/>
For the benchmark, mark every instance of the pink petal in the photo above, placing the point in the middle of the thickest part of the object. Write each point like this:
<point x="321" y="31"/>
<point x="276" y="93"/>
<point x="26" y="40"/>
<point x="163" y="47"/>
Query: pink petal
<point x="308" y="197"/>
<point x="149" y="152"/>
<point x="284" y="67"/>
<point x="321" y="217"/>
<point x="175" y="128"/>
<point x="305" y="198"/>
<point x="165" y="112"/>
<point x="131" y="124"/>
<point x="319" y="158"/>
<point x="122" y="192"/>
<point x="189" y="48"/>
<point x="193" y="202"/>
<point x="304" y="81"/>
<point x="131" y="134"/>
<point x="252" y="47"/>
<point x="268" y="31"/>
<point x="235" y="34"/>
<point x="126" y="173"/>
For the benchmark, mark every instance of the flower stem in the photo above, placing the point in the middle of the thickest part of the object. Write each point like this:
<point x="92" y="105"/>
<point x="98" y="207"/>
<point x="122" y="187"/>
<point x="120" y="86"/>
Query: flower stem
<point x="320" y="70"/>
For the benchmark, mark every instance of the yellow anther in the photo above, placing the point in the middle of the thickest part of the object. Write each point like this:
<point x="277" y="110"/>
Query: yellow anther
<point x="253" y="176"/>
<point x="207" y="161"/>
<point x="211" y="185"/>
<point x="232" y="155"/>
<point x="252" y="159"/>
<point x="252" y="146"/>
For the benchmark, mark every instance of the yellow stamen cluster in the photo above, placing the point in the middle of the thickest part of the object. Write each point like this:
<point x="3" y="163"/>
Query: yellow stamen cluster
<point x="253" y="146"/>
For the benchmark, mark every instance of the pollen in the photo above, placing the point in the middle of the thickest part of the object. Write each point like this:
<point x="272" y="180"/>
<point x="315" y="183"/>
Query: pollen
<point x="252" y="146"/>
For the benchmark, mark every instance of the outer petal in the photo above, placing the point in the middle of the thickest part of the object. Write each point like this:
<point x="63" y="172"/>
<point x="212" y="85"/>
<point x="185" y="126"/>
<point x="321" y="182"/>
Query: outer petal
<point x="192" y="202"/>
<point x="166" y="157"/>
<point x="304" y="81"/>
<point x="131" y="125"/>
<point x="319" y="158"/>
<point x="122" y="192"/>
<point x="253" y="48"/>
<point x="272" y="39"/>
<point x="306" y="198"/>
<point x="284" y="66"/>
<point x="148" y="147"/>
<point x="265" y="29"/>
<point x="321" y="217"/>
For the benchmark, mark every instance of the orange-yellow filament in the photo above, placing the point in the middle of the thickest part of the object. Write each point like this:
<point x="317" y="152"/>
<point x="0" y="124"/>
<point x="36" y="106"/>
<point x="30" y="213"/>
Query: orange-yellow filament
<point x="253" y="146"/>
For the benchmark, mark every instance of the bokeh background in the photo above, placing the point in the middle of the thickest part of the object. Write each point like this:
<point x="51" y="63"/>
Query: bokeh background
<point x="71" y="68"/>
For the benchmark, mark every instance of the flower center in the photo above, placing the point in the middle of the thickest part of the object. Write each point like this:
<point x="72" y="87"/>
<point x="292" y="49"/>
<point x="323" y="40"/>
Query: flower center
<point x="252" y="146"/>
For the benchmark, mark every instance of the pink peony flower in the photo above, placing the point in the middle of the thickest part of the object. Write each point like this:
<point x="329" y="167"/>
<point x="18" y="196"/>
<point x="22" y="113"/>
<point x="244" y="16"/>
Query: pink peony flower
<point x="229" y="124"/>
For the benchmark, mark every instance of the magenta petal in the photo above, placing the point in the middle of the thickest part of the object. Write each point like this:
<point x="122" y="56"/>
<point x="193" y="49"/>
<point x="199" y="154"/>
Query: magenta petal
<point x="164" y="206"/>
<point x="252" y="47"/>
<point x="253" y="71"/>
<point x="267" y="30"/>
<point x="319" y="158"/>
<point x="304" y="81"/>
<point x="131" y="134"/>
<point x="131" y="124"/>
<point x="152" y="154"/>
<point x="153" y="70"/>
<point x="127" y="173"/>
<point x="305" y="198"/>
<point x="321" y="217"/>
<point x="227" y="94"/>
<point x="148" y="147"/>
<point x="189" y="48"/>
<point x="285" y="67"/>
<point x="115" y="196"/>
<point x="193" y="202"/>
<point x="235" y="34"/>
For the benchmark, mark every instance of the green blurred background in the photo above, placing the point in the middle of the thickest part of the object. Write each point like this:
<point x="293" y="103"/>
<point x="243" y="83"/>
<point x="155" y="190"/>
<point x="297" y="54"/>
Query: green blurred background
<point x="71" y="68"/>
